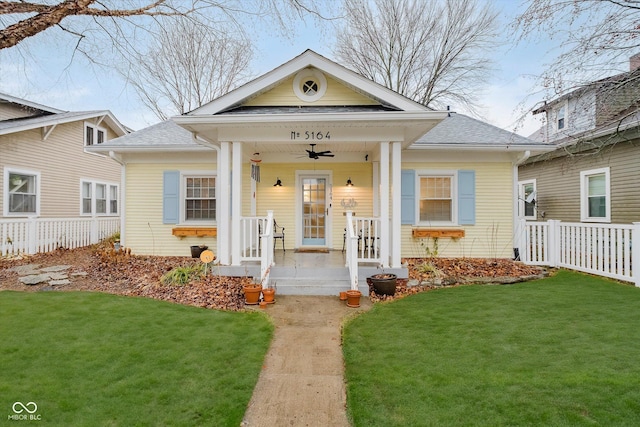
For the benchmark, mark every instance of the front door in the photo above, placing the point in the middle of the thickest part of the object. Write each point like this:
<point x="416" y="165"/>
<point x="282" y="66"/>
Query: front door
<point x="315" y="202"/>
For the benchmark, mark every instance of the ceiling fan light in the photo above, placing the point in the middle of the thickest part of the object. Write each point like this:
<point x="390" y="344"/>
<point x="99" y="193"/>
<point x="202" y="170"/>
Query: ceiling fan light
<point x="278" y="183"/>
<point x="349" y="183"/>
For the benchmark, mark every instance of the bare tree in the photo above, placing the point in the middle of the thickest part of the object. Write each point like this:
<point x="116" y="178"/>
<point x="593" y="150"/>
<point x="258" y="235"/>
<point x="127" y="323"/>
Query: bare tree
<point x="187" y="66"/>
<point x="595" y="38"/>
<point x="20" y="19"/>
<point x="433" y="52"/>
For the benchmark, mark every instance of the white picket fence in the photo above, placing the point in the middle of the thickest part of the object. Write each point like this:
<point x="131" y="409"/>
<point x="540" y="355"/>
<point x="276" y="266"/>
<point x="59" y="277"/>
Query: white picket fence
<point x="35" y="235"/>
<point x="602" y="249"/>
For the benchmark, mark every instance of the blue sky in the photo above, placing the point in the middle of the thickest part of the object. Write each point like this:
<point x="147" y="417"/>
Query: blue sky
<point x="52" y="77"/>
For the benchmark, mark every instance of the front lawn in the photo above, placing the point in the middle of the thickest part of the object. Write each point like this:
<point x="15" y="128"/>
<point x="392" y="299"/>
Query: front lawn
<point x="559" y="351"/>
<point x="99" y="359"/>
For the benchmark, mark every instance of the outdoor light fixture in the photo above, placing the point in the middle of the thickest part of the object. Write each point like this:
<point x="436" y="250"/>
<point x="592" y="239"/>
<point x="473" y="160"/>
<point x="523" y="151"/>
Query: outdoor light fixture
<point x="349" y="183"/>
<point x="278" y="183"/>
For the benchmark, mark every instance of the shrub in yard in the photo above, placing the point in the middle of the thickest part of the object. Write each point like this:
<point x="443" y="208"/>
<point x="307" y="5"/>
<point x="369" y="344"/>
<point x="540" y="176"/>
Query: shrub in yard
<point x="183" y="275"/>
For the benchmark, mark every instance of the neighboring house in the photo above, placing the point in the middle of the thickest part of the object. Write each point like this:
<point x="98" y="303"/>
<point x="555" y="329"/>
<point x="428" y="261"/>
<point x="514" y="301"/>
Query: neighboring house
<point x="45" y="170"/>
<point x="593" y="174"/>
<point x="414" y="172"/>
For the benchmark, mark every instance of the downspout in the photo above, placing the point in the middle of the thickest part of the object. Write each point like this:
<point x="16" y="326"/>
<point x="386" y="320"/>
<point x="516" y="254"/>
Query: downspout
<point x="516" y="222"/>
<point x="123" y="175"/>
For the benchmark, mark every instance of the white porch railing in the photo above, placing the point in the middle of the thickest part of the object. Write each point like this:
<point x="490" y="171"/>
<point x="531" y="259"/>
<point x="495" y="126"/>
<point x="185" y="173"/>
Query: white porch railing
<point x="34" y="235"/>
<point x="257" y="243"/>
<point x="362" y="243"/>
<point x="602" y="249"/>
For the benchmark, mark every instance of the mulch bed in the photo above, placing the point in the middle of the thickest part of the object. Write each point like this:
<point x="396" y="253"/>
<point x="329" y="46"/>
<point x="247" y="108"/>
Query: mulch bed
<point x="440" y="272"/>
<point x="133" y="275"/>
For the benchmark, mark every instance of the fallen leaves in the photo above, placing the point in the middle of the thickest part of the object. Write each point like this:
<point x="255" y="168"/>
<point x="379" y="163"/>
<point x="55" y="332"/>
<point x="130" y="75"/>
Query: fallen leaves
<point x="131" y="275"/>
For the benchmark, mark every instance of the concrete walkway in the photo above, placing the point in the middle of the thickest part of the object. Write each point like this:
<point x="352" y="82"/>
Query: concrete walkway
<point x="302" y="381"/>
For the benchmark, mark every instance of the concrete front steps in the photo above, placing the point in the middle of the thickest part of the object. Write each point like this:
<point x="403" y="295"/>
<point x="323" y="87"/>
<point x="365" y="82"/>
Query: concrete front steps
<point x="323" y="280"/>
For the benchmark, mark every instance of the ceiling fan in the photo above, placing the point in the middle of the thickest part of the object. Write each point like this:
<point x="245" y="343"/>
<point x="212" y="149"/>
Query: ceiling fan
<point x="317" y="154"/>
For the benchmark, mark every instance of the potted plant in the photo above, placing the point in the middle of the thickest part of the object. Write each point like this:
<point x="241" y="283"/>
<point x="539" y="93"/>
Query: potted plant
<point x="253" y="290"/>
<point x="252" y="293"/>
<point x="197" y="250"/>
<point x="384" y="283"/>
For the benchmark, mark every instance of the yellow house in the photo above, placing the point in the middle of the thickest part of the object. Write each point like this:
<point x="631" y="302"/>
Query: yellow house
<point x="346" y="169"/>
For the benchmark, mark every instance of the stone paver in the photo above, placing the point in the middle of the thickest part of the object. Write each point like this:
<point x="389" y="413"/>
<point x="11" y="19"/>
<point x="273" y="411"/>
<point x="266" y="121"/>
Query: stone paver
<point x="56" y="268"/>
<point x="302" y="381"/>
<point x="57" y="275"/>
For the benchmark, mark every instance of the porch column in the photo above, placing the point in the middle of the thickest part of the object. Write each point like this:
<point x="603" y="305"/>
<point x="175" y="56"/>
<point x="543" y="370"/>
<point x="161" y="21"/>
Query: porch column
<point x="223" y="201"/>
<point x="384" y="204"/>
<point x="396" y="202"/>
<point x="236" y="203"/>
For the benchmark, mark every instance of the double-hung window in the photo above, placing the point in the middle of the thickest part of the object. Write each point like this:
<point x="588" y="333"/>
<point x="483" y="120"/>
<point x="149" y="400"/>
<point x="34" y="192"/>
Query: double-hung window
<point x="94" y="134"/>
<point x="199" y="198"/>
<point x="99" y="198"/>
<point x="561" y="117"/>
<point x="595" y="195"/>
<point x="21" y="193"/>
<point x="437" y="198"/>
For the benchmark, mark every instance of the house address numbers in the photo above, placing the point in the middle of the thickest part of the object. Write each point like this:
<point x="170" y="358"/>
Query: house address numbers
<point x="310" y="135"/>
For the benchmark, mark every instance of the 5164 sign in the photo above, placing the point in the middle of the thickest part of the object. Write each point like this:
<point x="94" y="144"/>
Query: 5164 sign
<point x="309" y="135"/>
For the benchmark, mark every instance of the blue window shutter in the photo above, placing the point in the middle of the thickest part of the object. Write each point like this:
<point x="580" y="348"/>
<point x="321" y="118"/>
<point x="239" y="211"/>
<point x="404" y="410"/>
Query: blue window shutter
<point x="466" y="197"/>
<point x="170" y="197"/>
<point x="408" y="197"/>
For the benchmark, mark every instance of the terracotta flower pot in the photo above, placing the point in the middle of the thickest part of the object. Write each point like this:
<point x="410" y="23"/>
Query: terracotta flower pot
<point x="343" y="296"/>
<point x="263" y="304"/>
<point x="384" y="284"/>
<point x="268" y="295"/>
<point x="353" y="298"/>
<point x="252" y="294"/>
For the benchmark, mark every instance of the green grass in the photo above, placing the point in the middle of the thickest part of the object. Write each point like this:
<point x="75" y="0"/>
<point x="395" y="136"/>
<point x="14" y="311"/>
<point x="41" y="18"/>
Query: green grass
<point x="102" y="360"/>
<point x="563" y="351"/>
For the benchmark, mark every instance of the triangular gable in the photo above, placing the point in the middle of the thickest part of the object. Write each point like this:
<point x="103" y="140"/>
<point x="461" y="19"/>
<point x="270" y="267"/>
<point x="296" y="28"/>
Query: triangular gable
<point x="362" y="88"/>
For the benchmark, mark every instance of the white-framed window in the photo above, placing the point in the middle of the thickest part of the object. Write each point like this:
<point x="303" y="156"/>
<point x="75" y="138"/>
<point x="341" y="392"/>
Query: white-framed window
<point x="113" y="199"/>
<point x="561" y="117"/>
<point x="21" y="192"/>
<point x="98" y="198"/>
<point x="199" y="198"/>
<point x="437" y="199"/>
<point x="595" y="195"/>
<point x="94" y="134"/>
<point x="526" y="199"/>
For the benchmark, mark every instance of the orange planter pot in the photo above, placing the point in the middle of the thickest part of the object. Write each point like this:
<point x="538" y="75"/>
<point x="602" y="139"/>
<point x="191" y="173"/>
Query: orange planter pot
<point x="268" y="295"/>
<point x="353" y="298"/>
<point x="252" y="294"/>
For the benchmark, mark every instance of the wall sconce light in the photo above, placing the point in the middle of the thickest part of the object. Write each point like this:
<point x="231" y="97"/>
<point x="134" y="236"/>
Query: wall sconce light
<point x="278" y="183"/>
<point x="349" y="183"/>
